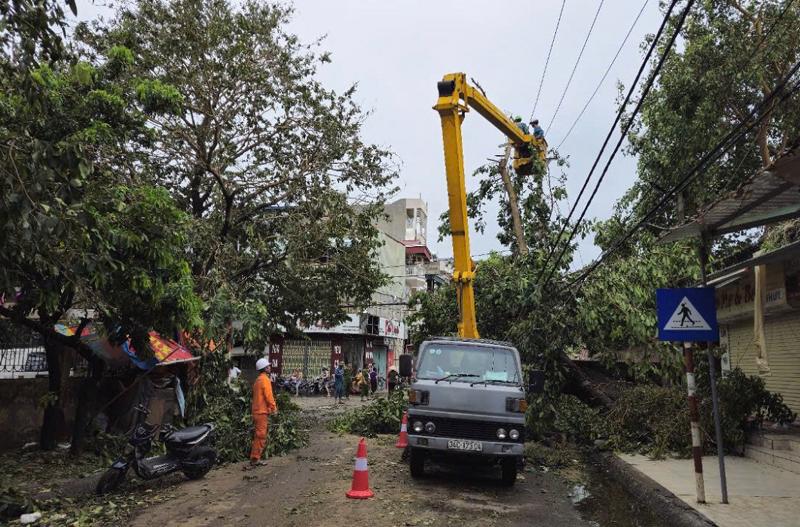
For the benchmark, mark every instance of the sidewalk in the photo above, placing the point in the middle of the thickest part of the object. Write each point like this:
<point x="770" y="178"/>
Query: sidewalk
<point x="758" y="494"/>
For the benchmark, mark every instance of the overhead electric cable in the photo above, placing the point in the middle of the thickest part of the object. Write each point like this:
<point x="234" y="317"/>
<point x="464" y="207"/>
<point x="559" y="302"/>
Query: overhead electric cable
<point x="603" y="78"/>
<point x="575" y="67"/>
<point x="547" y="61"/>
<point x="623" y="135"/>
<point x="756" y="51"/>
<point x="613" y="127"/>
<point x="718" y="151"/>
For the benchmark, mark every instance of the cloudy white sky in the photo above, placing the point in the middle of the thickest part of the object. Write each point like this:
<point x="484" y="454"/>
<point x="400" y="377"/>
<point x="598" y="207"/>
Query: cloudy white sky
<point x="397" y="51"/>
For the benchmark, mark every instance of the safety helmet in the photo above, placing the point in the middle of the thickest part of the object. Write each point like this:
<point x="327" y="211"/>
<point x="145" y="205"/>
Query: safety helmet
<point x="262" y="363"/>
<point x="535" y="122"/>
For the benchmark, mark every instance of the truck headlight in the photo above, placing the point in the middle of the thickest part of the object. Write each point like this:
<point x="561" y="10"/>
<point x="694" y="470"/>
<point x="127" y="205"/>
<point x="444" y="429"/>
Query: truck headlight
<point x="501" y="433"/>
<point x="430" y="427"/>
<point x="513" y="434"/>
<point x="417" y="426"/>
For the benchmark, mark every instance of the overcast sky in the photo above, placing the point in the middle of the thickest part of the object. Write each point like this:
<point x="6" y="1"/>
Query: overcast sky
<point x="397" y="51"/>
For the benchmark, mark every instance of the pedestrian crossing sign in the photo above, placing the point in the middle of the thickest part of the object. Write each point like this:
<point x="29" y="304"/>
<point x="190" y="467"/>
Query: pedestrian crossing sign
<point x="687" y="314"/>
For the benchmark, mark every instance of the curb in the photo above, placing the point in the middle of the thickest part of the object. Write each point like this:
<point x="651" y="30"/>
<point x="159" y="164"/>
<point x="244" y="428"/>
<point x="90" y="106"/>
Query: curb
<point x="663" y="502"/>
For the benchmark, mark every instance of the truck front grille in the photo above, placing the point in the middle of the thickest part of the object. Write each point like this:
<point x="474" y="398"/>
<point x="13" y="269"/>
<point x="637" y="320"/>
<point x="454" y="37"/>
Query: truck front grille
<point x="467" y="429"/>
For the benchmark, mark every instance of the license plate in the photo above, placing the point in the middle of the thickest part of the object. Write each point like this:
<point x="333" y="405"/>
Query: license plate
<point x="458" y="444"/>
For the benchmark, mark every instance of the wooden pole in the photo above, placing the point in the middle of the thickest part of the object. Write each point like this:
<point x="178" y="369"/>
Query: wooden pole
<point x="516" y="218"/>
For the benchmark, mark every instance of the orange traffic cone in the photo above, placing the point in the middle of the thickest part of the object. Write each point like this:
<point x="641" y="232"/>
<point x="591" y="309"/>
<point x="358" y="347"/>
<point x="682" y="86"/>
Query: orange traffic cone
<point x="360" y="488"/>
<point x="402" y="440"/>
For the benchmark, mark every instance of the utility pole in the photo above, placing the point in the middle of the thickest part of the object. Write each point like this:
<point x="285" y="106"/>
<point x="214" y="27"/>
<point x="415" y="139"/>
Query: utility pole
<point x="516" y="219"/>
<point x="694" y="416"/>
<point x="712" y="366"/>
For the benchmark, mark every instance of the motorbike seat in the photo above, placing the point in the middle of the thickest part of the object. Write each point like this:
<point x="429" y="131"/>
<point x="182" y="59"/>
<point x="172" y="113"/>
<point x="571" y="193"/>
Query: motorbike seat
<point x="187" y="435"/>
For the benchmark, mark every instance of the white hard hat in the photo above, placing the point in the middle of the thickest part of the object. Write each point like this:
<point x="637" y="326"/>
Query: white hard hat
<point x="262" y="363"/>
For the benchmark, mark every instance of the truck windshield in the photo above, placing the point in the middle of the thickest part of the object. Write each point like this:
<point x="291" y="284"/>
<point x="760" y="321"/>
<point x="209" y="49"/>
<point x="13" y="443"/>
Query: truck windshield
<point x="474" y="364"/>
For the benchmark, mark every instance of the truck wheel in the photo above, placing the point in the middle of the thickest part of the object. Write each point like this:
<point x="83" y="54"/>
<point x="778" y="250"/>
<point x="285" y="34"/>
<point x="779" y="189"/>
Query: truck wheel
<point x="509" y="466"/>
<point x="417" y="463"/>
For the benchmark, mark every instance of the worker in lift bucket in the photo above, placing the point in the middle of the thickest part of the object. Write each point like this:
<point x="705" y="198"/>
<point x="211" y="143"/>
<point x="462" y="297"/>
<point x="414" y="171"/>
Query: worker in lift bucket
<point x="522" y="126"/>
<point x="538" y="133"/>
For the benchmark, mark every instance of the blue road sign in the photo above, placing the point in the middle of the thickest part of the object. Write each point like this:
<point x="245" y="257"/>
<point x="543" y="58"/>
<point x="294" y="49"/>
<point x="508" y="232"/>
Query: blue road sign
<point x="688" y="315"/>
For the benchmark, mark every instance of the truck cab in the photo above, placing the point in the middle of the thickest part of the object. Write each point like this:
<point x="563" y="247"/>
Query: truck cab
<point x="468" y="400"/>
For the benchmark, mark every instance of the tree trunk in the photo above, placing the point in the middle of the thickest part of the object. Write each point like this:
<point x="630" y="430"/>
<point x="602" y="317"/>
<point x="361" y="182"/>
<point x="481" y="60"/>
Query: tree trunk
<point x="54" y="422"/>
<point x="585" y="385"/>
<point x="88" y="397"/>
<point x="516" y="219"/>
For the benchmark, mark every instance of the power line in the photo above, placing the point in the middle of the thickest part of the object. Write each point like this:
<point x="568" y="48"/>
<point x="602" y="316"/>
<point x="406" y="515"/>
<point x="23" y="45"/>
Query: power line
<point x="608" y="70"/>
<point x="756" y="51"/>
<point x="613" y="127"/>
<point x="720" y="149"/>
<point x="547" y="62"/>
<point x="575" y="67"/>
<point x="623" y="135"/>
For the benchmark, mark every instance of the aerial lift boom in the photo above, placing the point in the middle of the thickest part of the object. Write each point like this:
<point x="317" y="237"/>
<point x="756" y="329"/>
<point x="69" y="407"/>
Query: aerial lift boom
<point x="456" y="97"/>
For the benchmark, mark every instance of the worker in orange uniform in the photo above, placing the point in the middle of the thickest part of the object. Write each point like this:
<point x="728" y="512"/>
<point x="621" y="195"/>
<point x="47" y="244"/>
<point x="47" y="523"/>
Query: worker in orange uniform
<point x="263" y="405"/>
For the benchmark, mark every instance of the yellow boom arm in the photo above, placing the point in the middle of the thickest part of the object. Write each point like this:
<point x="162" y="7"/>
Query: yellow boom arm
<point x="456" y="96"/>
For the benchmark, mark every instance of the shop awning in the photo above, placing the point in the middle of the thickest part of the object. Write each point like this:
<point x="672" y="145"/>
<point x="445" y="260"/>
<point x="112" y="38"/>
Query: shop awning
<point x="736" y="271"/>
<point x="771" y="195"/>
<point x="165" y="351"/>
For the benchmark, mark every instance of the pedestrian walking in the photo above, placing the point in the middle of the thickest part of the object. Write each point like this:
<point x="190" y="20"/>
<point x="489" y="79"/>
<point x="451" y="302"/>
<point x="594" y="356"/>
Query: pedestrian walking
<point x="326" y="381"/>
<point x="392" y="379"/>
<point x="373" y="379"/>
<point x="263" y="405"/>
<point x="338" y="383"/>
<point x="362" y="380"/>
<point x="685" y="313"/>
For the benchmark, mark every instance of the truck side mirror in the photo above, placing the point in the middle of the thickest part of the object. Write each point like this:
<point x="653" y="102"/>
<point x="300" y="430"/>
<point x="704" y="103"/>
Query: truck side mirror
<point x="535" y="381"/>
<point x="405" y="365"/>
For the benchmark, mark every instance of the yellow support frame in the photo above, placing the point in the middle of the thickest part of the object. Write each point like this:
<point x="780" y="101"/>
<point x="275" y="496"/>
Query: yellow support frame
<point x="456" y="97"/>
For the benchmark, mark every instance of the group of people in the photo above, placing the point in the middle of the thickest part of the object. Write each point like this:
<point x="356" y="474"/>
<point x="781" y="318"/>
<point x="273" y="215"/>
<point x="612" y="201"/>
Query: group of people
<point x="264" y="405"/>
<point x="364" y="382"/>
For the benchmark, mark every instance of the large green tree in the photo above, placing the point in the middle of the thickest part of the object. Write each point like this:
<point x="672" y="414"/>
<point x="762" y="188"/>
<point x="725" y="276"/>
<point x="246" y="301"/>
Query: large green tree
<point x="734" y="54"/>
<point x="76" y="228"/>
<point x="282" y="191"/>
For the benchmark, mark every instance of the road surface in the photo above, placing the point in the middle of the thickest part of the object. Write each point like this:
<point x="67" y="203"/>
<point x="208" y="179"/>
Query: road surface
<point x="308" y="487"/>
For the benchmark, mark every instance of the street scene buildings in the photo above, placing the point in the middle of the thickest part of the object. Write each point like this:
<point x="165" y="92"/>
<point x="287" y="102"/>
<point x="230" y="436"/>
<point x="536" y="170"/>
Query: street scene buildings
<point x="270" y="263"/>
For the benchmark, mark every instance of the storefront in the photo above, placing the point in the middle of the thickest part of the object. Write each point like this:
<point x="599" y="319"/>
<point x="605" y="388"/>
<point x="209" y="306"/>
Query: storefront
<point x="360" y="341"/>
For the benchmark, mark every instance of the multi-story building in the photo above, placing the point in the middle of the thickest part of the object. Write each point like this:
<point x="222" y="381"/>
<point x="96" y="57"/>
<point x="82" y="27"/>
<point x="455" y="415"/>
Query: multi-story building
<point x="377" y="334"/>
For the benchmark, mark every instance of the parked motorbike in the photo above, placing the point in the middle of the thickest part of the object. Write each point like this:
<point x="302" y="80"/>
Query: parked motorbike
<point x="186" y="450"/>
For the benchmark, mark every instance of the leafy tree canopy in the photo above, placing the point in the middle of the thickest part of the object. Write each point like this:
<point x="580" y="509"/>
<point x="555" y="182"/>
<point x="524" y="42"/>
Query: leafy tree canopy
<point x="734" y="53"/>
<point x="282" y="192"/>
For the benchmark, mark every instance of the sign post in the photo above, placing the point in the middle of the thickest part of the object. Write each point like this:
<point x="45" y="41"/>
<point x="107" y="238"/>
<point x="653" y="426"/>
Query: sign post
<point x="690" y="315"/>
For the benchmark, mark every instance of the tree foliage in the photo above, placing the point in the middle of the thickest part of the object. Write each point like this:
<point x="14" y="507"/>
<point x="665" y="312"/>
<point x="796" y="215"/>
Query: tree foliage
<point x="282" y="192"/>
<point x="75" y="229"/>
<point x="79" y="227"/>
<point x="734" y="54"/>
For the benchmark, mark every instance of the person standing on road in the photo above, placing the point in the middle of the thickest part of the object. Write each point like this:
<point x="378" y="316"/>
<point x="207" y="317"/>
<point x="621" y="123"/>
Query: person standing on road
<point x="338" y="383"/>
<point x="263" y="406"/>
<point x="348" y="381"/>
<point x="362" y="380"/>
<point x="373" y="379"/>
<point x="392" y="379"/>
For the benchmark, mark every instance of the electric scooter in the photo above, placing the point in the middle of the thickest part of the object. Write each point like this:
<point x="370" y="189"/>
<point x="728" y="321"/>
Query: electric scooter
<point x="187" y="451"/>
